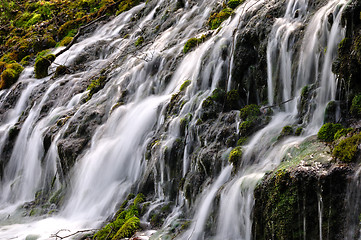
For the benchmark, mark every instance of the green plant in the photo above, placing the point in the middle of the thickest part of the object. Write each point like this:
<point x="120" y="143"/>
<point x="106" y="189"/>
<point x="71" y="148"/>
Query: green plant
<point x="327" y="131"/>
<point x="95" y="86"/>
<point x="139" y="41"/>
<point x="185" y="85"/>
<point x="249" y="111"/>
<point x="42" y="64"/>
<point x="10" y="75"/>
<point x="347" y="148"/>
<point x="234" y="3"/>
<point x="355" y="109"/>
<point x="235" y="156"/>
<point x="216" y="19"/>
<point x="286" y="131"/>
<point x="298" y="131"/>
<point x="342" y="133"/>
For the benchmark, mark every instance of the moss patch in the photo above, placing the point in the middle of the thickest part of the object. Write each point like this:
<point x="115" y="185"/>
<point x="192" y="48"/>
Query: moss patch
<point x="347" y="149"/>
<point x="126" y="221"/>
<point x="10" y="74"/>
<point x="192" y="43"/>
<point x="216" y="19"/>
<point x="42" y="64"/>
<point x="327" y="131"/>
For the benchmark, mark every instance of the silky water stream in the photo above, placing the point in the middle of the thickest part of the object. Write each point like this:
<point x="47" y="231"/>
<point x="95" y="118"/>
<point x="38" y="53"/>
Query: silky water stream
<point x="114" y="163"/>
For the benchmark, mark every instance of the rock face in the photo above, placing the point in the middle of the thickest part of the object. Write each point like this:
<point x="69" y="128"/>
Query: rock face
<point x="302" y="197"/>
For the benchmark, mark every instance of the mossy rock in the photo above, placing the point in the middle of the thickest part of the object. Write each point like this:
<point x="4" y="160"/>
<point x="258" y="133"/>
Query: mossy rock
<point x="185" y="85"/>
<point x="249" y="111"/>
<point x="192" y="43"/>
<point x="232" y="100"/>
<point x="42" y="64"/>
<point x="286" y="131"/>
<point x="139" y="41"/>
<point x="342" y="133"/>
<point x="65" y="42"/>
<point x="235" y="156"/>
<point x="346" y="150"/>
<point x="61" y="70"/>
<point x="126" y="222"/>
<point x="10" y="75"/>
<point x="128" y="228"/>
<point x="95" y="86"/>
<point x="298" y="131"/>
<point x="327" y="131"/>
<point x="355" y="109"/>
<point x="216" y="19"/>
<point x="234" y="3"/>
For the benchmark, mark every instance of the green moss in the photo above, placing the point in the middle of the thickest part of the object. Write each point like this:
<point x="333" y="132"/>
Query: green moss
<point x="139" y="199"/>
<point x="192" y="43"/>
<point x="286" y="131"/>
<point x="126" y="5"/>
<point x="249" y="111"/>
<point x="25" y="60"/>
<point x="95" y="86"/>
<point x="246" y="127"/>
<point x="355" y="109"/>
<point x="185" y="85"/>
<point x="65" y="41"/>
<point x="139" y="41"/>
<point x="61" y="70"/>
<point x="242" y="141"/>
<point x="234" y="3"/>
<point x="128" y="228"/>
<point x="235" y="156"/>
<point x="216" y="19"/>
<point x="42" y="64"/>
<point x="69" y="28"/>
<point x="10" y="75"/>
<point x="232" y="100"/>
<point x="347" y="148"/>
<point x="342" y="133"/>
<point x="327" y="131"/>
<point x="298" y="131"/>
<point x="126" y="220"/>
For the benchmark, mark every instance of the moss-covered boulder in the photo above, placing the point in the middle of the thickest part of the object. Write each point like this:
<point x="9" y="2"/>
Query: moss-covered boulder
<point x="42" y="64"/>
<point x="126" y="221"/>
<point x="10" y="74"/>
<point x="346" y="150"/>
<point x="303" y="195"/>
<point x="327" y="131"/>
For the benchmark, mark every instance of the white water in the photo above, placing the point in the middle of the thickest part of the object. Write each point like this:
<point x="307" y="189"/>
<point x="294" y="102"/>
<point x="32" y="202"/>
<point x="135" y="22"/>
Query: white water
<point x="114" y="163"/>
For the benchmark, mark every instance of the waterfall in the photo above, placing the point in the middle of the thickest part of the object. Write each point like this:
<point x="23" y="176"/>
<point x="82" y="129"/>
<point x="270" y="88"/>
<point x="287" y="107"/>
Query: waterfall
<point x="132" y="114"/>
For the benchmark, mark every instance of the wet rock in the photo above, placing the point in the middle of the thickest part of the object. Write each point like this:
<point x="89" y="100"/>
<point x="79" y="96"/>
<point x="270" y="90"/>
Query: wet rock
<point x="308" y="189"/>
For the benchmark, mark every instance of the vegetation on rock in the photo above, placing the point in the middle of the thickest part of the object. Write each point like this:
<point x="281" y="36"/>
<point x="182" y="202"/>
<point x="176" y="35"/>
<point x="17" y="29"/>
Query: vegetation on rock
<point x="126" y="222"/>
<point x="347" y="148"/>
<point x="327" y="131"/>
<point x="95" y="86"/>
<point x="9" y="74"/>
<point x="235" y="156"/>
<point x="234" y="3"/>
<point x="355" y="109"/>
<point x="216" y="19"/>
<point x="42" y="64"/>
<point x="192" y="43"/>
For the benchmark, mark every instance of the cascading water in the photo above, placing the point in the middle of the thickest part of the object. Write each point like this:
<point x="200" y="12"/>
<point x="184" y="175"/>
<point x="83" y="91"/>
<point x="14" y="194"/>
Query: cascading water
<point x="113" y="163"/>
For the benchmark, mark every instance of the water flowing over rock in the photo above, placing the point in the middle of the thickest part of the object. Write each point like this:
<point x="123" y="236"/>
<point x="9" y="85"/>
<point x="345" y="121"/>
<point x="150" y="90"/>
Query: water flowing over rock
<point x="189" y="120"/>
